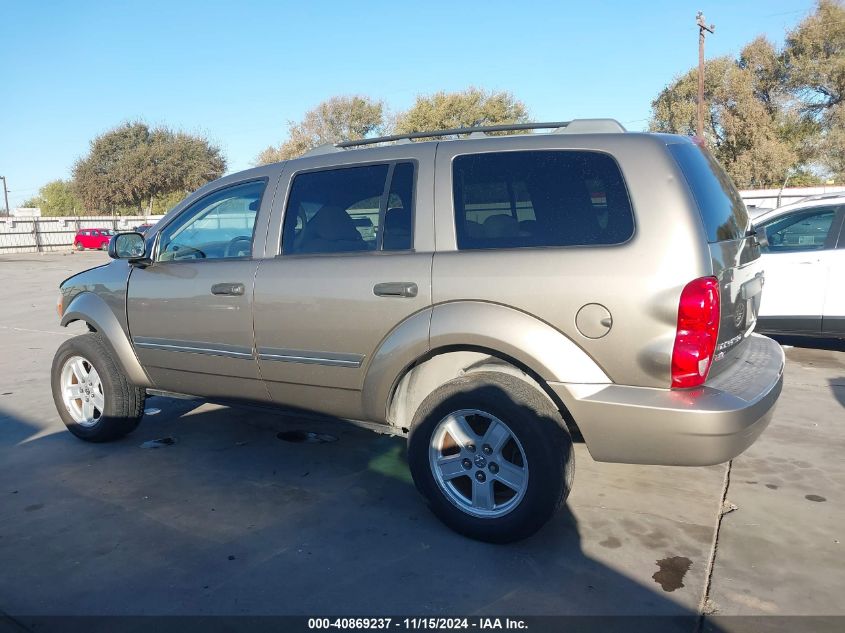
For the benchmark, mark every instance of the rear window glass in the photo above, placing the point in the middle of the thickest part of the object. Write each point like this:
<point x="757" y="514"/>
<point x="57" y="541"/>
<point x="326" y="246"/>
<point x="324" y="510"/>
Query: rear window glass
<point x="722" y="210"/>
<point x="540" y="198"/>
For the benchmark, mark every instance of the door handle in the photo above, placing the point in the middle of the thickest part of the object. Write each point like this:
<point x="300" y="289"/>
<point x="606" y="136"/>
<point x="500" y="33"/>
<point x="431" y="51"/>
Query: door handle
<point x="396" y="289"/>
<point x="229" y="289"/>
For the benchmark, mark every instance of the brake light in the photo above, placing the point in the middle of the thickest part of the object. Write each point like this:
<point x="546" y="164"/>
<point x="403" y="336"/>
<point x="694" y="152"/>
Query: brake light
<point x="697" y="333"/>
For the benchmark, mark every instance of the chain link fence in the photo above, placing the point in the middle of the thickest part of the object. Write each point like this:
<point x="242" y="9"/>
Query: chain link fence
<point x="40" y="235"/>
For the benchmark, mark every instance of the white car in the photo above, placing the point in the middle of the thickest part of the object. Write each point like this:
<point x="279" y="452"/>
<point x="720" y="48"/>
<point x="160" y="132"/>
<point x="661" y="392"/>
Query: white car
<point x="804" y="267"/>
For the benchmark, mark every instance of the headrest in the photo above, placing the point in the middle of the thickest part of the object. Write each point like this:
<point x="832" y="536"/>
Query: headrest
<point x="397" y="218"/>
<point x="334" y="224"/>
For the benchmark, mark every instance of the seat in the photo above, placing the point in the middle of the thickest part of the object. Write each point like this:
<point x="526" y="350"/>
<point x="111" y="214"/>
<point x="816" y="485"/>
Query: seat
<point x="331" y="230"/>
<point x="499" y="226"/>
<point x="397" y="230"/>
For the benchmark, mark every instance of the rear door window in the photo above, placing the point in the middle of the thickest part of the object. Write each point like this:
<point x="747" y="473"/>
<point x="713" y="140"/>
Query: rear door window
<point x="540" y="198"/>
<point x="722" y="210"/>
<point x="350" y="209"/>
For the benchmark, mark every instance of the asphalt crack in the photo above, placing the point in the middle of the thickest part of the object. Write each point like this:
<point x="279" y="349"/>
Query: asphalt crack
<point x="706" y="606"/>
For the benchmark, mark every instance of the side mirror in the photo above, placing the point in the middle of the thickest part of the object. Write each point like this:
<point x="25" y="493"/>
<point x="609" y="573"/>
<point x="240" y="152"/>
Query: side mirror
<point x="130" y="246"/>
<point x="760" y="236"/>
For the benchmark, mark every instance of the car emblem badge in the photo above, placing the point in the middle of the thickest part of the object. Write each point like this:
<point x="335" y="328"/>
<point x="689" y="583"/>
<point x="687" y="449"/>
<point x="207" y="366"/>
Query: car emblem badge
<point x="739" y="315"/>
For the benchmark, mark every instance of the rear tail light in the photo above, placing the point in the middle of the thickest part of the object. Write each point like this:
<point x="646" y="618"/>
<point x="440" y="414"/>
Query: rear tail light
<point x="696" y="336"/>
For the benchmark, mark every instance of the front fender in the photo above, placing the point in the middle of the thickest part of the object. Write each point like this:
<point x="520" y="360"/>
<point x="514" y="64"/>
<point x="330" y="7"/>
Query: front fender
<point x="88" y="307"/>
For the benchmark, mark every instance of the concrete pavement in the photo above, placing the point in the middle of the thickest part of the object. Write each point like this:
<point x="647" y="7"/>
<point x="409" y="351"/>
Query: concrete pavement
<point x="232" y="520"/>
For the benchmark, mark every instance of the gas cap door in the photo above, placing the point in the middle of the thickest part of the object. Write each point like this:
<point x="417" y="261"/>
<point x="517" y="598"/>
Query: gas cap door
<point x="593" y="320"/>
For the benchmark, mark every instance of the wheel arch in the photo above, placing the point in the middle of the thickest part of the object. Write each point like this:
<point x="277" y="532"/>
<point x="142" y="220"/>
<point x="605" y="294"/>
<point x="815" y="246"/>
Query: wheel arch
<point x="98" y="316"/>
<point x="441" y="365"/>
<point x="435" y="345"/>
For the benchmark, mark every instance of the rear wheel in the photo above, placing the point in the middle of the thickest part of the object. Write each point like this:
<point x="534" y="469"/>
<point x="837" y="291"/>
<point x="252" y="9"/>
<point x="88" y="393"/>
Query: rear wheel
<point x="93" y="396"/>
<point x="492" y="456"/>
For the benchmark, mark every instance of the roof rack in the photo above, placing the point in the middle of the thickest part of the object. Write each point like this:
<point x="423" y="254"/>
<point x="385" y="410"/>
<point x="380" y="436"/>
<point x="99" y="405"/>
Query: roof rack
<point x="576" y="126"/>
<point x="579" y="126"/>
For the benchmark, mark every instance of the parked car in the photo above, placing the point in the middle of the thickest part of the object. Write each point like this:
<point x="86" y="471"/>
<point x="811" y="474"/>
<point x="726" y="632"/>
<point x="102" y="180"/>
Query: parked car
<point x="804" y="263"/>
<point x="92" y="238"/>
<point x="143" y="228"/>
<point x="754" y="211"/>
<point x="516" y="287"/>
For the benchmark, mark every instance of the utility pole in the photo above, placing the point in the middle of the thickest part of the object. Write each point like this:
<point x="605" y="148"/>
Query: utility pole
<point x="702" y="27"/>
<point x="6" y="194"/>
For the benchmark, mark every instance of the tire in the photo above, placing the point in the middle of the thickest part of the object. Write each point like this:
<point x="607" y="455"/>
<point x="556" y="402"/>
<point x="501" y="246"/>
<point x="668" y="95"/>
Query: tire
<point x="538" y="452"/>
<point x="78" y="246"/>
<point x="108" y="387"/>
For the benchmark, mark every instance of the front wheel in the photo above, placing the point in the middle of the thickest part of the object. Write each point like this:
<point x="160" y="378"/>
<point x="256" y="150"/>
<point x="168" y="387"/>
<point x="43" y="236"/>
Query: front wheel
<point x="78" y="246"/>
<point x="93" y="396"/>
<point x="492" y="456"/>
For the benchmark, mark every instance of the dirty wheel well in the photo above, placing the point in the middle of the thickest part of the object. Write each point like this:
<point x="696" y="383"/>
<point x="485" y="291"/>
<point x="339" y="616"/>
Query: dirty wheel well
<point x="442" y="365"/>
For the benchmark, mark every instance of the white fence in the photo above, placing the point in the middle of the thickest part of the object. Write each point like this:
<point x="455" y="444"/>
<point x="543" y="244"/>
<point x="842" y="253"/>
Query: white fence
<point x="773" y="198"/>
<point x="45" y="234"/>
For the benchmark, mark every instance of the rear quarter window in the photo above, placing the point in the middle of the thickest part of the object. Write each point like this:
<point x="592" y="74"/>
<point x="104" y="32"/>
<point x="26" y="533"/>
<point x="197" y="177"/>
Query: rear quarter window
<point x="539" y="198"/>
<point x="722" y="210"/>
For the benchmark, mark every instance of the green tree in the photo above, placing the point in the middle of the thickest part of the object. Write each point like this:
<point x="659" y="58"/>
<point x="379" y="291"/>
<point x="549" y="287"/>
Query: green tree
<point x="133" y="165"/>
<point x="342" y="118"/>
<point x="770" y="113"/>
<point x="468" y="108"/>
<point x="814" y="72"/>
<point x="56" y="198"/>
<point x="748" y="124"/>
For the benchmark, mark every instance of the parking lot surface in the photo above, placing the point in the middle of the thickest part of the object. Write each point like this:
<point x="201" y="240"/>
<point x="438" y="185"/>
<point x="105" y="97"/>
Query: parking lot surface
<point x="226" y="518"/>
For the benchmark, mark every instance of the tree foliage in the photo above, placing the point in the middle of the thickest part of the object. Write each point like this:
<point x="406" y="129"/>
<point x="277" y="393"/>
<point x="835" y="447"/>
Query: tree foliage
<point x="746" y="123"/>
<point x="468" y="108"/>
<point x="56" y="198"/>
<point x="134" y="164"/>
<point x="357" y="117"/>
<point x="342" y="118"/>
<point x="814" y="71"/>
<point x="770" y="113"/>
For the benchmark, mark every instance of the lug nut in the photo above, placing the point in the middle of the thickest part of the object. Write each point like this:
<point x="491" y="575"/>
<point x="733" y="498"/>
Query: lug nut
<point x="471" y="448"/>
<point x="487" y="449"/>
<point x="494" y="467"/>
<point x="466" y="464"/>
<point x="480" y="476"/>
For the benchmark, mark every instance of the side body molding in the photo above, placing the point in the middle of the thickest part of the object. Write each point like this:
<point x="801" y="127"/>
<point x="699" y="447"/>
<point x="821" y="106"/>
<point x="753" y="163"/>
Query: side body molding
<point x="89" y="307"/>
<point x="535" y="344"/>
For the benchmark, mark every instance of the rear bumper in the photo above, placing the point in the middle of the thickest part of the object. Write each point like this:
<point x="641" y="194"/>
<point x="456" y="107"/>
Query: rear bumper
<point x="697" y="427"/>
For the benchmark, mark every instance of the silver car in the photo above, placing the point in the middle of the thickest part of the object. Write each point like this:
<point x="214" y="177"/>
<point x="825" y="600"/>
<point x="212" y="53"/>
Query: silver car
<point x="514" y="289"/>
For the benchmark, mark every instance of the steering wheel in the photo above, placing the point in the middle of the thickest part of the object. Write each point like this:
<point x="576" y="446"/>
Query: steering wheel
<point x="181" y="251"/>
<point x="232" y="251"/>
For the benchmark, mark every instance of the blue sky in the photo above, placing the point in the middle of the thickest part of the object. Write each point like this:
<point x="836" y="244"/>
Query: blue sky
<point x="238" y="71"/>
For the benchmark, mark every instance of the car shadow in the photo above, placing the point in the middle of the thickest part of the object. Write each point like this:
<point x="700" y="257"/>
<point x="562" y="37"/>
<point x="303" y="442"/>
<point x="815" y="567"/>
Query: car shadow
<point x="830" y="344"/>
<point x="227" y="519"/>
<point x="837" y="386"/>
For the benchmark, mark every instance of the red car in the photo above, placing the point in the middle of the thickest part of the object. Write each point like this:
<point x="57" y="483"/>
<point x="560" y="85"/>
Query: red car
<point x="92" y="238"/>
